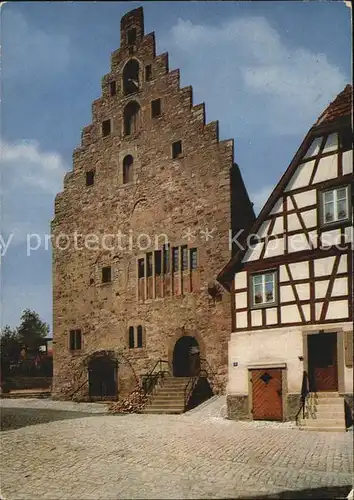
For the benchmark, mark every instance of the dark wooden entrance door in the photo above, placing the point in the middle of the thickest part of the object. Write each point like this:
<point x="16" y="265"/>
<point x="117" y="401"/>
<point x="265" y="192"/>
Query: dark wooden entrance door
<point x="322" y="362"/>
<point x="267" y="394"/>
<point x="186" y="358"/>
<point x="102" y="378"/>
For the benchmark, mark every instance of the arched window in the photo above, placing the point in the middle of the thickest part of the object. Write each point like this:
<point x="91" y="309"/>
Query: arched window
<point x="131" y="118"/>
<point x="131" y="337"/>
<point x="131" y="77"/>
<point x="140" y="336"/>
<point x="128" y="169"/>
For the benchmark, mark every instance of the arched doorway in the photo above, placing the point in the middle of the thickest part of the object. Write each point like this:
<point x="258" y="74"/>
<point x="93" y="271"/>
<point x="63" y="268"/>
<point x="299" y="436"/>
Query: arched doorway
<point x="102" y="371"/>
<point x="186" y="357"/>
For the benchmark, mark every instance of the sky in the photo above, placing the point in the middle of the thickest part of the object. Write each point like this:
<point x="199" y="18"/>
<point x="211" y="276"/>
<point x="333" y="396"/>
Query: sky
<point x="265" y="70"/>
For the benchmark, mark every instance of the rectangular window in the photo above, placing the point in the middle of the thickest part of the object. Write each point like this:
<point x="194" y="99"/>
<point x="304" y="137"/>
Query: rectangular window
<point x="75" y="340"/>
<point x="112" y="88"/>
<point x="140" y="336"/>
<point x="335" y="205"/>
<point x="131" y="36"/>
<point x="131" y="337"/>
<point x="184" y="258"/>
<point x="149" y="264"/>
<point x="141" y="268"/>
<point x="175" y="259"/>
<point x="176" y="149"/>
<point x="90" y="177"/>
<point x="155" y="108"/>
<point x="263" y="289"/>
<point x="106" y="128"/>
<point x="193" y="258"/>
<point x="148" y="72"/>
<point x="166" y="259"/>
<point x="106" y="274"/>
<point x="158" y="262"/>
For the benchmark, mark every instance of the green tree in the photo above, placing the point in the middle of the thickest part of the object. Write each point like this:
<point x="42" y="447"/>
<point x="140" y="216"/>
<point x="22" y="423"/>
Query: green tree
<point x="10" y="348"/>
<point x="32" y="330"/>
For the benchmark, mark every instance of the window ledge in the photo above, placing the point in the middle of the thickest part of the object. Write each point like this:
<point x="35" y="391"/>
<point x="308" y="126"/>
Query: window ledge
<point x="264" y="306"/>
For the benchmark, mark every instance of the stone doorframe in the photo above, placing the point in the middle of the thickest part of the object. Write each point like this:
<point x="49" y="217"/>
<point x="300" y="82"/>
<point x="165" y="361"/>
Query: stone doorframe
<point x="340" y="351"/>
<point x="184" y="332"/>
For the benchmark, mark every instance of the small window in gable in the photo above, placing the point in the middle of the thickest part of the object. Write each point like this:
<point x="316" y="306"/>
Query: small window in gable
<point x="140" y="336"/>
<point x="131" y="337"/>
<point x="331" y="143"/>
<point x="314" y="147"/>
<point x="112" y="88"/>
<point x="335" y="205"/>
<point x="148" y="72"/>
<point x="155" y="108"/>
<point x="106" y="274"/>
<point x="176" y="149"/>
<point x="106" y="128"/>
<point x="75" y="340"/>
<point x="90" y="177"/>
<point x="131" y="36"/>
<point x="263" y="289"/>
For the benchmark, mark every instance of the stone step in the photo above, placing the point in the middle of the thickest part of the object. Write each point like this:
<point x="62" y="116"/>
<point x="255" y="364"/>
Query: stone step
<point x="172" y="410"/>
<point x="166" y="402"/>
<point x="168" y="398"/>
<point x="322" y="429"/>
<point x="321" y="395"/>
<point x="320" y="413"/>
<point x="323" y="422"/>
<point x="29" y="395"/>
<point x="327" y="401"/>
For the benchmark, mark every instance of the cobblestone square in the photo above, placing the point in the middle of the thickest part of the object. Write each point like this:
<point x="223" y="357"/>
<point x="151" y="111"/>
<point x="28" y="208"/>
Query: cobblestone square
<point x="196" y="455"/>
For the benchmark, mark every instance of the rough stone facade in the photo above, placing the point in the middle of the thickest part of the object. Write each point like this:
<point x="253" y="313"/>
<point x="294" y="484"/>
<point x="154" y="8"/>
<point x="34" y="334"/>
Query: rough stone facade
<point x="151" y="193"/>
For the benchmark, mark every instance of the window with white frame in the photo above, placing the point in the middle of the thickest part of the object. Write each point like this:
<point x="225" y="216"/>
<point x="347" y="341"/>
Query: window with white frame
<point x="335" y="205"/>
<point x="263" y="289"/>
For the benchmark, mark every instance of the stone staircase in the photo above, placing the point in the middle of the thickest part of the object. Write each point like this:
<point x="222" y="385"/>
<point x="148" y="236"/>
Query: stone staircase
<point x="324" y="411"/>
<point x="27" y="393"/>
<point x="168" y="397"/>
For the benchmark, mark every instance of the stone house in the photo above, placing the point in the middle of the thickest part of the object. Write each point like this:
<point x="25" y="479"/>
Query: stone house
<point x="291" y="286"/>
<point x="140" y="231"/>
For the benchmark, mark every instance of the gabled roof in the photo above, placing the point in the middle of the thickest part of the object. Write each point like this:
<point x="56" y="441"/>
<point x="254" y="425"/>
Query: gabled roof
<point x="339" y="108"/>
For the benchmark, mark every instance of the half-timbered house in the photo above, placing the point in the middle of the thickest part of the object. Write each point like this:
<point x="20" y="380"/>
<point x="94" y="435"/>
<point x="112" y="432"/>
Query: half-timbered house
<point x="291" y="282"/>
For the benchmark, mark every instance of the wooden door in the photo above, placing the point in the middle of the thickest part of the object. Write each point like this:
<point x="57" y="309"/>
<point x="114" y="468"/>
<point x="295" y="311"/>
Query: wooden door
<point x="267" y="394"/>
<point x="322" y="362"/>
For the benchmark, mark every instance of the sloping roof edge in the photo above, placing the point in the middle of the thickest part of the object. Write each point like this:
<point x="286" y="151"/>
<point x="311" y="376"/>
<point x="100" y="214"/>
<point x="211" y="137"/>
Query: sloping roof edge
<point x="225" y="276"/>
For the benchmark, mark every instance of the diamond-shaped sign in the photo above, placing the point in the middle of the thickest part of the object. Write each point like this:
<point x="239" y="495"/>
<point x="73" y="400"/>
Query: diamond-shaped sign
<point x="266" y="377"/>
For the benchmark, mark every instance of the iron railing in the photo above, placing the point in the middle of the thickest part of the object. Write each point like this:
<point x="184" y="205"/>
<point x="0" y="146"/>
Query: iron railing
<point x="150" y="380"/>
<point x="305" y="390"/>
<point x="210" y="374"/>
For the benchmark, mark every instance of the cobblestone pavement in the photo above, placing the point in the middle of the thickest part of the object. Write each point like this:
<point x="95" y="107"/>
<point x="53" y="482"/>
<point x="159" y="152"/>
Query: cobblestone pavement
<point x="196" y="455"/>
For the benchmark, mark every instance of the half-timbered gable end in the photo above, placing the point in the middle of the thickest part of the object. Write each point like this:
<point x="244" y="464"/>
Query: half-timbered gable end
<point x="292" y="275"/>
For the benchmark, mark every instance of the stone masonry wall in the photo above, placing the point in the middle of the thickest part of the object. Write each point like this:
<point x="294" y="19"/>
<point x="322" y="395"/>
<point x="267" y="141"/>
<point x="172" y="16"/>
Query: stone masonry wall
<point x="166" y="196"/>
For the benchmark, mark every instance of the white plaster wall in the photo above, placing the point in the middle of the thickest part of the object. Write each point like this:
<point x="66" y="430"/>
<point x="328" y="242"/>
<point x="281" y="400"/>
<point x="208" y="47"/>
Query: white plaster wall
<point x="347" y="162"/>
<point x="278" y="345"/>
<point x="298" y="242"/>
<point x="327" y="169"/>
<point x="241" y="280"/>
<point x="253" y="254"/>
<point x="301" y="177"/>
<point x="305" y="198"/>
<point x="274" y="247"/>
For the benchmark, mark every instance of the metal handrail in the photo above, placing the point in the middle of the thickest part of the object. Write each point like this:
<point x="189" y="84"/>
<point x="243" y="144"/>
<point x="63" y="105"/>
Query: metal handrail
<point x="150" y="379"/>
<point x="78" y="388"/>
<point x="305" y="390"/>
<point x="192" y="381"/>
<point x="209" y="372"/>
